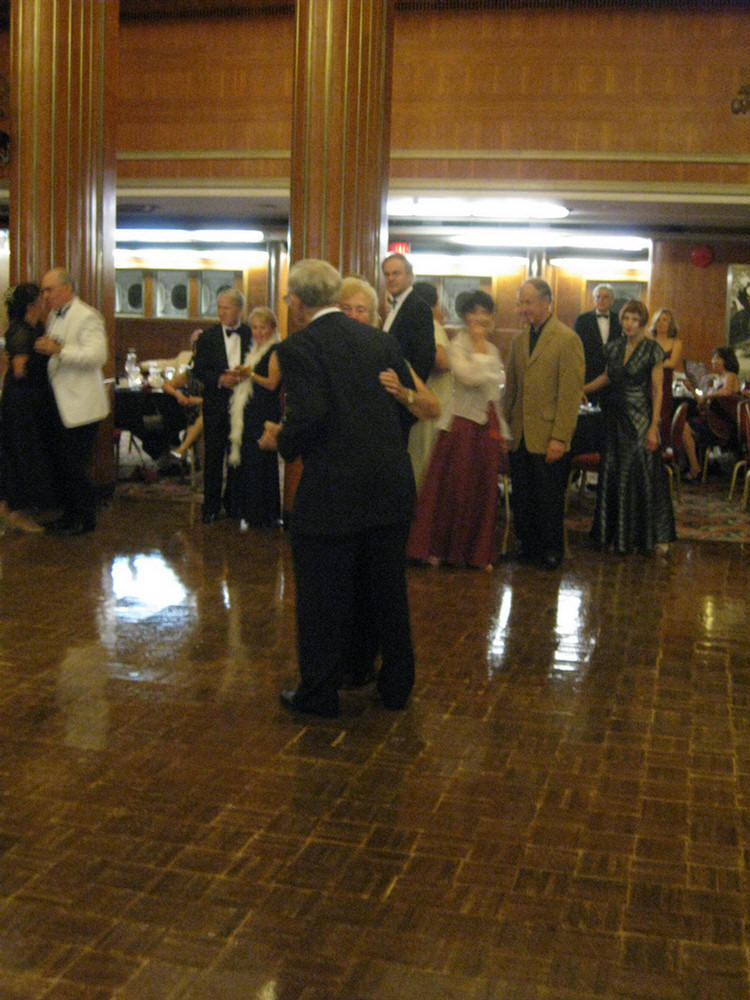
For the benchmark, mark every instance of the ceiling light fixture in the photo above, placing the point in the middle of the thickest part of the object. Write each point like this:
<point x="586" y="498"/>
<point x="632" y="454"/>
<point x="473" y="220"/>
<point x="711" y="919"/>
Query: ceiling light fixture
<point x="188" y="236"/>
<point x="545" y="238"/>
<point x="189" y="259"/>
<point x="466" y="265"/>
<point x="489" y="209"/>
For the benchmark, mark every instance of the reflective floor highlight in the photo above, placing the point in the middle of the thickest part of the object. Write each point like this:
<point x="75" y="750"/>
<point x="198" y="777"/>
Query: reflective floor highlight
<point x="562" y="812"/>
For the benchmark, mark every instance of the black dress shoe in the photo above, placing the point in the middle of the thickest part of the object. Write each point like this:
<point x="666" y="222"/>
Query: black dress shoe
<point x="289" y="700"/>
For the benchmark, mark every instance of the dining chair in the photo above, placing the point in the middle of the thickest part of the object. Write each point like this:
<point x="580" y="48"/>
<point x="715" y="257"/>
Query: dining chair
<point x="583" y="464"/>
<point x="743" y="425"/>
<point x="673" y="455"/>
<point x="503" y="482"/>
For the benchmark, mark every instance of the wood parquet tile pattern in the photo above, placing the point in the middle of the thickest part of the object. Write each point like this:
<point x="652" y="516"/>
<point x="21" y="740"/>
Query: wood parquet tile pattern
<point x="562" y="812"/>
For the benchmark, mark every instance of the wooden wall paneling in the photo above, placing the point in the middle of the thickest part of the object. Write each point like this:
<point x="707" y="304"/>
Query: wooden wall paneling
<point x="508" y="326"/>
<point x="194" y="291"/>
<point x="696" y="295"/>
<point x="204" y="86"/>
<point x="255" y="287"/>
<point x="472" y="82"/>
<point x="149" y="293"/>
<point x="569" y="294"/>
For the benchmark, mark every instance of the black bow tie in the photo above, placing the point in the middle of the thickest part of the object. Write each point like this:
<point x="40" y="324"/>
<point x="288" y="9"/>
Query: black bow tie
<point x="602" y="315"/>
<point x="230" y="332"/>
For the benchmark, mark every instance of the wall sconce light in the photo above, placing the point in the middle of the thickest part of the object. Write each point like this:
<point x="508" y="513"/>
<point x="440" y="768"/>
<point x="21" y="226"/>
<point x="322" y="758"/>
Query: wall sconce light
<point x="741" y="103"/>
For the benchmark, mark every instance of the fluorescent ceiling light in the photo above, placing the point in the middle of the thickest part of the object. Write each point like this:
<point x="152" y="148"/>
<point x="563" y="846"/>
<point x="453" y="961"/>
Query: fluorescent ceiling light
<point x="467" y="265"/>
<point x="549" y="238"/>
<point x="599" y="269"/>
<point x="184" y="258"/>
<point x="213" y="236"/>
<point x="492" y="209"/>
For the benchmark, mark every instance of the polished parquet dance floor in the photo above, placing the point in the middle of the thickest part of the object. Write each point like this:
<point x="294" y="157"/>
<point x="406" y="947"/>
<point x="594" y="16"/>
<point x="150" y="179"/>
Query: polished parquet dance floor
<point x="562" y="812"/>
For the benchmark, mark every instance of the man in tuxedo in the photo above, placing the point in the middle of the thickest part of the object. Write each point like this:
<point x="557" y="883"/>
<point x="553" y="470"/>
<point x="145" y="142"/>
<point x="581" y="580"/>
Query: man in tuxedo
<point x="76" y="345"/>
<point x="596" y="328"/>
<point x="355" y="498"/>
<point x="409" y="318"/>
<point x="543" y="387"/>
<point x="219" y="351"/>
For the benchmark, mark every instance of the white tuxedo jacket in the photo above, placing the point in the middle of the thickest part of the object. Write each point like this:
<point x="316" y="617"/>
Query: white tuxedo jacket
<point x="76" y="372"/>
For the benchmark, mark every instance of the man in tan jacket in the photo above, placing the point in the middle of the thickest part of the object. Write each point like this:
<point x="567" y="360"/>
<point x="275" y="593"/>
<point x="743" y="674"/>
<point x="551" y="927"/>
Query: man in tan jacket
<point x="543" y="389"/>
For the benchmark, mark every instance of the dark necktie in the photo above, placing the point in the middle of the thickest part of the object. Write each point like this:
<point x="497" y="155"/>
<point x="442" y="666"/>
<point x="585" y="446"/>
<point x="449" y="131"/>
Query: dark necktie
<point x="533" y="337"/>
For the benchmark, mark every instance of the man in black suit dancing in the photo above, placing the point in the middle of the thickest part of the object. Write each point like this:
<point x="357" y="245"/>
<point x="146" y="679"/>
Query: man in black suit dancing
<point x="355" y="498"/>
<point x="219" y="351"/>
<point x="409" y="318"/>
<point x="596" y="328"/>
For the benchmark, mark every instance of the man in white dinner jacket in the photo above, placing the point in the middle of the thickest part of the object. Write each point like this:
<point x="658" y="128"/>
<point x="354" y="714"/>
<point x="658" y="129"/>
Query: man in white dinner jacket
<point x="76" y="344"/>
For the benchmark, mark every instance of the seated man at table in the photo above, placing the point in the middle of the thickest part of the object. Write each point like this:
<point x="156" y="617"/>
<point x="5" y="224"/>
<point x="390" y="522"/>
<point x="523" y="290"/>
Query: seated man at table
<point x="219" y="352"/>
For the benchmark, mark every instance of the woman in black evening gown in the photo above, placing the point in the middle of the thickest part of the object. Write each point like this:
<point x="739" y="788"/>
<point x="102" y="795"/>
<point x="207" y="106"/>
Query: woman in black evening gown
<point x="255" y="497"/>
<point x="633" y="505"/>
<point x="29" y="425"/>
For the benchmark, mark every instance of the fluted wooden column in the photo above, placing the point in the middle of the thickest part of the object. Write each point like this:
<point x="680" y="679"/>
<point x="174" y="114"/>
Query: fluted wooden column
<point x="340" y="141"/>
<point x="62" y="173"/>
<point x="341" y="133"/>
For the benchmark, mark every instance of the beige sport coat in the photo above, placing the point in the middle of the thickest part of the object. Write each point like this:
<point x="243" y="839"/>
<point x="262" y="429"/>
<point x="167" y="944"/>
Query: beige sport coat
<point x="543" y="392"/>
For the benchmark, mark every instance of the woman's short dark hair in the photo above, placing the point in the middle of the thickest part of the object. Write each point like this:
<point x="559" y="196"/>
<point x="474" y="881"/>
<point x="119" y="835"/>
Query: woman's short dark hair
<point x="20" y="298"/>
<point x="467" y="302"/>
<point x="637" y="308"/>
<point x="729" y="358"/>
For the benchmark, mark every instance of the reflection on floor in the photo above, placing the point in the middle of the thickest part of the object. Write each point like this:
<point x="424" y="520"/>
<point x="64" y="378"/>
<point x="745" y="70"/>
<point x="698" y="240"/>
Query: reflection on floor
<point x="563" y="811"/>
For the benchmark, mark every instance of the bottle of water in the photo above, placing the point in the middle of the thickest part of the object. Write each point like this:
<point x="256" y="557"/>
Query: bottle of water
<point x="132" y="370"/>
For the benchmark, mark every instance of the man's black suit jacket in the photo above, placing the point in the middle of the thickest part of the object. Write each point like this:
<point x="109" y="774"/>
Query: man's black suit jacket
<point x="346" y="428"/>
<point x="414" y="329"/>
<point x="587" y="329"/>
<point x="211" y="363"/>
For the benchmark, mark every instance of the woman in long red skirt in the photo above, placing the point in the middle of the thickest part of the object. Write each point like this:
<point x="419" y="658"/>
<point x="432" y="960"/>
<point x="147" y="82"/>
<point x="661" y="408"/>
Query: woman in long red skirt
<point x="456" y="520"/>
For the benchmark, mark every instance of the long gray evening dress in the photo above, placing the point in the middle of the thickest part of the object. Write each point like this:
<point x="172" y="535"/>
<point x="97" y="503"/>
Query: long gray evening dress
<point x="633" y="506"/>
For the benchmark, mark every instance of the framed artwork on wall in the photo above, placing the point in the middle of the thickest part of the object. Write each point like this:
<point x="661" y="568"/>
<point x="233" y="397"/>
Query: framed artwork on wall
<point x="212" y="283"/>
<point x="129" y="292"/>
<point x="738" y="314"/>
<point x="172" y="293"/>
<point x="450" y="287"/>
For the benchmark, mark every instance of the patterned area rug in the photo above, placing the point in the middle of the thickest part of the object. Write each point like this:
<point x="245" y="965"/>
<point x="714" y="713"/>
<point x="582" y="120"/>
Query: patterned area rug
<point x="702" y="512"/>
